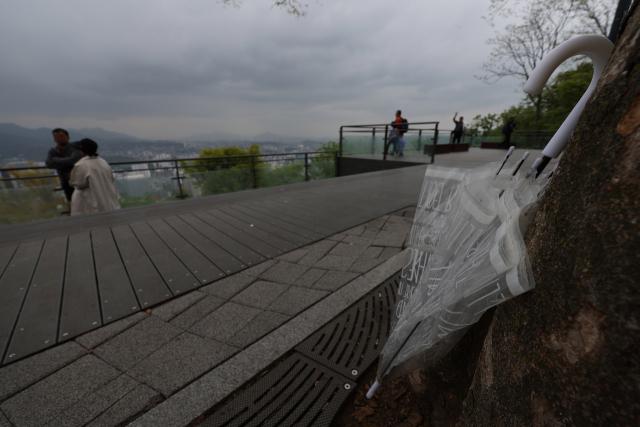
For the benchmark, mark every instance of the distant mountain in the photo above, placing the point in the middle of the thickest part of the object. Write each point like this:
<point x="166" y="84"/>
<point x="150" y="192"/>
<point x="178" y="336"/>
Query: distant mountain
<point x="272" y="137"/>
<point x="14" y="146"/>
<point x="44" y="134"/>
<point x="215" y="136"/>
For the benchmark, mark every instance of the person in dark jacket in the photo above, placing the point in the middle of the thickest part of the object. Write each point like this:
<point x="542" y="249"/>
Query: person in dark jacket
<point x="507" y="130"/>
<point x="459" y="129"/>
<point x="62" y="157"/>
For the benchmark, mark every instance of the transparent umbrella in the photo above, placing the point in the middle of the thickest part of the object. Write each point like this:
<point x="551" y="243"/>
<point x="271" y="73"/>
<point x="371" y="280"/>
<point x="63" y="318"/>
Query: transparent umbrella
<point x="466" y="251"/>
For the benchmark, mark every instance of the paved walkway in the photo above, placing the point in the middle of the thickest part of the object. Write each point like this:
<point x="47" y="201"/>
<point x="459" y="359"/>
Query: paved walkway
<point x="470" y="159"/>
<point x="175" y="361"/>
<point x="62" y="278"/>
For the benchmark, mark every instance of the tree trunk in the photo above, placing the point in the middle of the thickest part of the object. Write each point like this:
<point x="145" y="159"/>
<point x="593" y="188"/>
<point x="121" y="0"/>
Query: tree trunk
<point x="568" y="352"/>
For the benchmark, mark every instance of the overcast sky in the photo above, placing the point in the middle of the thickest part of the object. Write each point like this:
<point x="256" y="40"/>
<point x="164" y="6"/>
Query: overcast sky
<point x="168" y="69"/>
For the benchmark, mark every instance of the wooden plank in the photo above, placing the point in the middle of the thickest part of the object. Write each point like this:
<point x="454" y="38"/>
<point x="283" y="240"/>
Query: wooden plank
<point x="37" y="326"/>
<point x="13" y="287"/>
<point x="203" y="269"/>
<point x="177" y="277"/>
<point x="216" y="254"/>
<point x="284" y="233"/>
<point x="246" y="239"/>
<point x="5" y="256"/>
<point x="80" y="310"/>
<point x="318" y="216"/>
<point x="288" y="216"/>
<point x="266" y="237"/>
<point x="147" y="282"/>
<point x="117" y="298"/>
<point x="279" y="220"/>
<point x="237" y="249"/>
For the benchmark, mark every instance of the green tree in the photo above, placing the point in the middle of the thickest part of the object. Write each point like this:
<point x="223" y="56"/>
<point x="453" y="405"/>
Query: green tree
<point x="326" y="150"/>
<point x="564" y="93"/>
<point x="482" y="125"/>
<point x="219" y="171"/>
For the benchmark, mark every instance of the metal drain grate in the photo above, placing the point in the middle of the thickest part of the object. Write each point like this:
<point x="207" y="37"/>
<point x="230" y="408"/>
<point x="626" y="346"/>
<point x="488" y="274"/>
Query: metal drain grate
<point x="352" y="341"/>
<point x="297" y="392"/>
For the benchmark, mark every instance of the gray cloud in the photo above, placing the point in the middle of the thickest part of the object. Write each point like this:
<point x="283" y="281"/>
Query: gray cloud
<point x="169" y="69"/>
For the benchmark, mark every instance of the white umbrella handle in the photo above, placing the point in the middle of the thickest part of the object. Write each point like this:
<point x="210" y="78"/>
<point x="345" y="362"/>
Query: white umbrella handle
<point x="599" y="49"/>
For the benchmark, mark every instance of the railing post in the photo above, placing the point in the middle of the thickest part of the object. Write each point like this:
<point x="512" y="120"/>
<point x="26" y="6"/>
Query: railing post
<point x="253" y="172"/>
<point x="335" y="156"/>
<point x="306" y="166"/>
<point x="419" y="139"/>
<point x="435" y="141"/>
<point x="340" y="145"/>
<point x="386" y="138"/>
<point x="373" y="141"/>
<point x="182" y="195"/>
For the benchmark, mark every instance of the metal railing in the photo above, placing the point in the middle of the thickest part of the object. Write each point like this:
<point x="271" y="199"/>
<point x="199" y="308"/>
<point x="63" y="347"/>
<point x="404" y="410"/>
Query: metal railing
<point x="151" y="181"/>
<point x="417" y="128"/>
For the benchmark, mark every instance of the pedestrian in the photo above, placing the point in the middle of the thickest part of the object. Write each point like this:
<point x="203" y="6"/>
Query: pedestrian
<point x="459" y="129"/>
<point x="92" y="178"/>
<point x="62" y="157"/>
<point x="393" y="136"/>
<point x="507" y="130"/>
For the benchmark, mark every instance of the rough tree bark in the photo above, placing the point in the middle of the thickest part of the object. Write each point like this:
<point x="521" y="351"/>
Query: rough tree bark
<point x="568" y="352"/>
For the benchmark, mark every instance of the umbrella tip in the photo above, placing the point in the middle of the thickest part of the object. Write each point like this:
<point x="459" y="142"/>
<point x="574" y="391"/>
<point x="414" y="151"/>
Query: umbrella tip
<point x="535" y="164"/>
<point x="373" y="389"/>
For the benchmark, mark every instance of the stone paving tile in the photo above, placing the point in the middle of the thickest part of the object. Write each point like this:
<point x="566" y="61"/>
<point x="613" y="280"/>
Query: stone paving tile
<point x="348" y="250"/>
<point x="133" y="345"/>
<point x="334" y="262"/>
<point x="100" y="335"/>
<point x="260" y="294"/>
<point x="359" y="240"/>
<point x="389" y="253"/>
<point x="4" y="422"/>
<point x="322" y="246"/>
<point x="20" y="375"/>
<point x="399" y="220"/>
<point x="186" y="405"/>
<point x="264" y="323"/>
<point x="179" y="362"/>
<point x="355" y="231"/>
<point x="197" y="312"/>
<point x="295" y="299"/>
<point x="225" y="322"/>
<point x="337" y="237"/>
<point x="293" y="256"/>
<point x="370" y="233"/>
<point x="229" y="286"/>
<point x="257" y="270"/>
<point x="377" y="223"/>
<point x="138" y="400"/>
<point x="49" y="397"/>
<point x="397" y="227"/>
<point x="362" y="265"/>
<point x="94" y="403"/>
<point x="176" y="306"/>
<point x="334" y="280"/>
<point x="372" y="252"/>
<point x="312" y="258"/>
<point x="284" y="272"/>
<point x="310" y="277"/>
<point x="390" y="238"/>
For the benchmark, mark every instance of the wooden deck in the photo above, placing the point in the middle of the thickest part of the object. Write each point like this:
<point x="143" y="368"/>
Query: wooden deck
<point x="61" y="278"/>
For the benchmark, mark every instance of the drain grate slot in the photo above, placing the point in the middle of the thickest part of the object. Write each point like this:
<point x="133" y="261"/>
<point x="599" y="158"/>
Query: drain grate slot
<point x="353" y="340"/>
<point x="297" y="392"/>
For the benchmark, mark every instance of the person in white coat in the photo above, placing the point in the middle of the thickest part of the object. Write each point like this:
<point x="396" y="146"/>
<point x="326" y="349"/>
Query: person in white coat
<point x="92" y="178"/>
